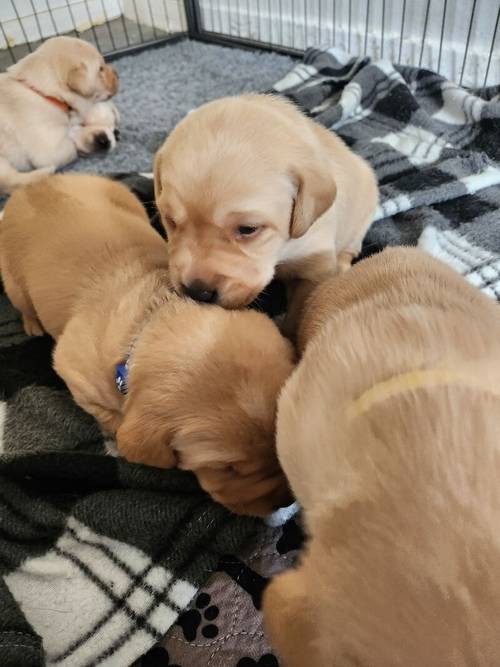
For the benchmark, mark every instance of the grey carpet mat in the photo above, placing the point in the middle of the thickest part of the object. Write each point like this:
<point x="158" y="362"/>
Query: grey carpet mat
<point x="159" y="86"/>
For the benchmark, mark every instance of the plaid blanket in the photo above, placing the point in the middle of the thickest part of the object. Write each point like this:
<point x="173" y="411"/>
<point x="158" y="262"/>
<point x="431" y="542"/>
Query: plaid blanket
<point x="99" y="558"/>
<point x="434" y="146"/>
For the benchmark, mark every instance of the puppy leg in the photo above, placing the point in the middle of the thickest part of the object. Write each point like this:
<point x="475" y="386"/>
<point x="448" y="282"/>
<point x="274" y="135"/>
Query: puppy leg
<point x="59" y="154"/>
<point x="344" y="260"/>
<point x="289" y="620"/>
<point x="297" y="292"/>
<point x="21" y="300"/>
<point x="78" y="370"/>
<point x="10" y="178"/>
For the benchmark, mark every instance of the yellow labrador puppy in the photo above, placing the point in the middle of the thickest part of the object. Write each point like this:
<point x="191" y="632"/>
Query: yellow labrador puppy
<point x="47" y="110"/>
<point x="389" y="433"/>
<point x="175" y="381"/>
<point x="249" y="187"/>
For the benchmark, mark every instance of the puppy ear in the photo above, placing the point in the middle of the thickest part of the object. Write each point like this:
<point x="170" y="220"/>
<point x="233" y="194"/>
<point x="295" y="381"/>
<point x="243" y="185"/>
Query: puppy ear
<point x="316" y="192"/>
<point x="79" y="80"/>
<point x="157" y="174"/>
<point x="141" y="439"/>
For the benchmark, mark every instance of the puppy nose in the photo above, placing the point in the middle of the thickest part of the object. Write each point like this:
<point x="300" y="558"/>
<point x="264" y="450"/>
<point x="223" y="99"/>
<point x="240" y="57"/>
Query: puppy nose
<point x="102" y="142"/>
<point x="200" y="292"/>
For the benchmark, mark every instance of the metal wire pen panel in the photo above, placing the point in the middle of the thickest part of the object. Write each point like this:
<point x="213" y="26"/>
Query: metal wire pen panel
<point x="458" y="38"/>
<point x="112" y="25"/>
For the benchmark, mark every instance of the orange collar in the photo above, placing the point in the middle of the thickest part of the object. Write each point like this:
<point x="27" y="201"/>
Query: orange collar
<point x="60" y="104"/>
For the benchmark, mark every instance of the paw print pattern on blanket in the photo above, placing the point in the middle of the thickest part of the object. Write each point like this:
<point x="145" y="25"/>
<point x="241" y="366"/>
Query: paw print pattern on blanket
<point x="157" y="657"/>
<point x="191" y="620"/>
<point x="292" y="537"/>
<point x="267" y="660"/>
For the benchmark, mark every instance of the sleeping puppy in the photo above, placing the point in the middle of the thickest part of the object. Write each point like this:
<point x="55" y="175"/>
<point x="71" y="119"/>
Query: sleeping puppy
<point x="41" y="96"/>
<point x="102" y="123"/>
<point x="389" y="433"/>
<point x="81" y="262"/>
<point x="248" y="187"/>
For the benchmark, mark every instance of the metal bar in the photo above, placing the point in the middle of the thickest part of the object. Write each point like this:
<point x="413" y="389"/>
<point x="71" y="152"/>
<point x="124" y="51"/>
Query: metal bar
<point x="469" y="33"/>
<point x="155" y="35"/>
<point x="320" y="20"/>
<point x="141" y="34"/>
<point x="493" y="40"/>
<point x="124" y="26"/>
<point x="37" y="20"/>
<point x="167" y="16"/>
<point x="334" y="21"/>
<point x="107" y="26"/>
<point x="52" y="20"/>
<point x="150" y="44"/>
<point x="293" y="24"/>
<point x="212" y="16"/>
<point x="270" y="40"/>
<point x="219" y="14"/>
<point x="349" y="24"/>
<point x="250" y="44"/>
<point x="182" y="18"/>
<point x="70" y="11"/>
<point x="259" y="36"/>
<point x="305" y="25"/>
<point x="424" y="34"/>
<point x="9" y="48"/>
<point x="281" y="21"/>
<point x="383" y="29"/>
<point x="28" y="44"/>
<point x="249" y="21"/>
<point x="238" y="15"/>
<point x="366" y="25"/>
<point x="91" y="22"/>
<point x="443" y="23"/>
<point x="403" y="16"/>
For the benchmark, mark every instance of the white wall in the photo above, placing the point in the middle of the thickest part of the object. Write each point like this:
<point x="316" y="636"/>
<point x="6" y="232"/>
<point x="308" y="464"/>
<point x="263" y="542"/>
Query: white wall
<point x="166" y="15"/>
<point x="302" y="23"/>
<point x="60" y="19"/>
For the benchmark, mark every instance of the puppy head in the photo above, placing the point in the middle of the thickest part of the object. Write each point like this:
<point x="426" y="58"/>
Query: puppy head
<point x="234" y="182"/>
<point x="68" y="64"/>
<point x="203" y="390"/>
<point x="103" y="121"/>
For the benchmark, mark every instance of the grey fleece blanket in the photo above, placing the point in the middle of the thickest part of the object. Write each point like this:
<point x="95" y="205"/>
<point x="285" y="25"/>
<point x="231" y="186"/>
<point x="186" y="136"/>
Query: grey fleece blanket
<point x="98" y="558"/>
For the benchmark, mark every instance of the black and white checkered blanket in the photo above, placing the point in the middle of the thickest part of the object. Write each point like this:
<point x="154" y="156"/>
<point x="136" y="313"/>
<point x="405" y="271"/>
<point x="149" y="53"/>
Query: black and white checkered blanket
<point x="97" y="556"/>
<point x="435" y="148"/>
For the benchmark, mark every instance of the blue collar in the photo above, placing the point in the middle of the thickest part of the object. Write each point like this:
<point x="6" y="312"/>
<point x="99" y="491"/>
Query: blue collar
<point x="121" y="377"/>
<point x="122" y="370"/>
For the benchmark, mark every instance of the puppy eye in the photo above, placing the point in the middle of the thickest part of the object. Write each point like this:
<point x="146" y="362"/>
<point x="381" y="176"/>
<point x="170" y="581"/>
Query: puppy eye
<point x="247" y="230"/>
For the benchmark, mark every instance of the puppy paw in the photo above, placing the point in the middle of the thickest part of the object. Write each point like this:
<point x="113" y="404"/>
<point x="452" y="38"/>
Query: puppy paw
<point x="32" y="326"/>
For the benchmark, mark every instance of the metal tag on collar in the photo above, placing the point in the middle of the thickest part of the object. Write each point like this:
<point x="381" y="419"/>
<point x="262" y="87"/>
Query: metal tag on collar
<point x="121" y="377"/>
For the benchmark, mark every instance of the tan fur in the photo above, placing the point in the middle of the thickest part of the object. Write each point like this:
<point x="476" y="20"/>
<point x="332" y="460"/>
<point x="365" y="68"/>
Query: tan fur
<point x="256" y="160"/>
<point x="80" y="261"/>
<point x="36" y="136"/>
<point x="401" y="499"/>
